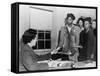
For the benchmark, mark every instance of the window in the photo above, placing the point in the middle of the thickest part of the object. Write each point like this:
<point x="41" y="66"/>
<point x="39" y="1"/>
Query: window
<point x="41" y="19"/>
<point x="44" y="40"/>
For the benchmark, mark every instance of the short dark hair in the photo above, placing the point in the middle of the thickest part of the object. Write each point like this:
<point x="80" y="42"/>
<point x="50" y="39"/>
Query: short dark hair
<point x="81" y="20"/>
<point x="70" y="15"/>
<point x="29" y="35"/>
<point x="88" y="19"/>
<point x="94" y="20"/>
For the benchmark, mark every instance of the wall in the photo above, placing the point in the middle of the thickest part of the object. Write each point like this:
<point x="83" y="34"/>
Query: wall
<point x="23" y="19"/>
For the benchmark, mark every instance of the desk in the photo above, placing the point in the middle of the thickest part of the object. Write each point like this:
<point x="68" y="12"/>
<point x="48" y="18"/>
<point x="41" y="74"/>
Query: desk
<point x="67" y="64"/>
<point x="85" y="64"/>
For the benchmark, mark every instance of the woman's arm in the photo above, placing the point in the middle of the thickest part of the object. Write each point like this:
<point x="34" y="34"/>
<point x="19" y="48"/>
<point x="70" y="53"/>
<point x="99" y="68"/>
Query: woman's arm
<point x="28" y="61"/>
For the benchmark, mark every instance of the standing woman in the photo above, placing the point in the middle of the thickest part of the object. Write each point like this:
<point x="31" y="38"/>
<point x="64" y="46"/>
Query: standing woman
<point x="80" y="24"/>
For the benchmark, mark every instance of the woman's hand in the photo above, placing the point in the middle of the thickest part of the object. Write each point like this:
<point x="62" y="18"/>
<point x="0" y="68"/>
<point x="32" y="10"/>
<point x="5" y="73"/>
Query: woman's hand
<point x="55" y="51"/>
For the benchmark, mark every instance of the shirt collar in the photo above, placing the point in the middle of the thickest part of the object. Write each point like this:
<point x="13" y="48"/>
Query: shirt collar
<point x="69" y="27"/>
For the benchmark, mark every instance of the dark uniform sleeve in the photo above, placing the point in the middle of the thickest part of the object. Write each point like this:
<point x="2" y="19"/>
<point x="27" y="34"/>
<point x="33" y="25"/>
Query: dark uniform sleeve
<point x="91" y="44"/>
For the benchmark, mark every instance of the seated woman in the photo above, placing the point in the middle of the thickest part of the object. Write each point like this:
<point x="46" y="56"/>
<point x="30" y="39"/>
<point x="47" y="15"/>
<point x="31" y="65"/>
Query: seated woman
<point x="28" y="57"/>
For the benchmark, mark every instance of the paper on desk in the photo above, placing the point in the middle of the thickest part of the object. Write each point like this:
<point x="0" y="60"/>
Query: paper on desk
<point x="57" y="63"/>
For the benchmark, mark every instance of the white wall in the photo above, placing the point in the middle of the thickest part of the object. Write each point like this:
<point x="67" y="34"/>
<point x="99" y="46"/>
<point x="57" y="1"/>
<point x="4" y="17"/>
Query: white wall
<point x="23" y="19"/>
<point x="40" y="19"/>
